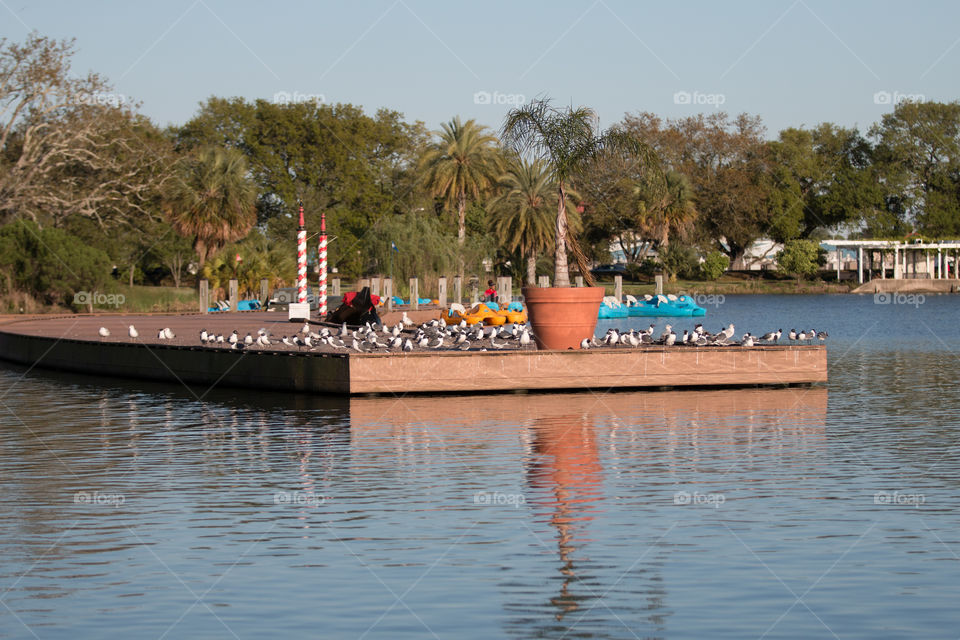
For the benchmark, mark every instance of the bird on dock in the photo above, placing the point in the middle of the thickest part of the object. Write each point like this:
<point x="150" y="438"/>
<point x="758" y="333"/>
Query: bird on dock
<point x="747" y="340"/>
<point x="308" y="342"/>
<point x="792" y="335"/>
<point x="219" y="338"/>
<point x="685" y="338"/>
<point x="248" y="339"/>
<point x="407" y="345"/>
<point x="263" y="341"/>
<point x="585" y="344"/>
<point x="305" y="329"/>
<point x="234" y="337"/>
<point x="161" y="335"/>
<point x="356" y="346"/>
<point x="728" y="332"/>
<point x="802" y="336"/>
<point x="823" y="335"/>
<point x="285" y="340"/>
<point x="168" y="334"/>
<point x="407" y="322"/>
<point x="132" y="332"/>
<point x="525" y="338"/>
<point x="772" y="336"/>
<point x="396" y="343"/>
<point x="670" y="340"/>
<point x="238" y="346"/>
<point x="104" y="332"/>
<point x="203" y="335"/>
<point x="667" y="330"/>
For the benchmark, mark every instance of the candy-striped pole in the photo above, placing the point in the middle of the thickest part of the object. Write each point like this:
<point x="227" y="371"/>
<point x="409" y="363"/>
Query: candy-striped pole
<point x="322" y="308"/>
<point x="301" y="260"/>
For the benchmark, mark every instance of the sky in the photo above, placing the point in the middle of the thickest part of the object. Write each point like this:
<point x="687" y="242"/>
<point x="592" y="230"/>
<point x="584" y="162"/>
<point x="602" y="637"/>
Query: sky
<point x="794" y="62"/>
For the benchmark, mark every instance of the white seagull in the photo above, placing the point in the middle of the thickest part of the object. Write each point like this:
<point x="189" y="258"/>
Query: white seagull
<point x="132" y="332"/>
<point x="104" y="332"/>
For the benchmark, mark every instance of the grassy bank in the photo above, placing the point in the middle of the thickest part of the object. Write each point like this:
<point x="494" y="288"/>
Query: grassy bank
<point x="735" y="283"/>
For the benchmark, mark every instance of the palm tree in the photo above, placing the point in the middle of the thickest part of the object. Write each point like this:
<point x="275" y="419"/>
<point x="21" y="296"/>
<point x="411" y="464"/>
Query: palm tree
<point x="522" y="215"/>
<point x="211" y="199"/>
<point x="671" y="209"/>
<point x="464" y="162"/>
<point x="567" y="140"/>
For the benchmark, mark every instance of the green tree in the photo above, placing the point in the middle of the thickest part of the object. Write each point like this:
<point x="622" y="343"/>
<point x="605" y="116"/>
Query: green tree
<point x="567" y="140"/>
<point x="918" y="159"/>
<point x="462" y="163"/>
<point x="522" y="215"/>
<point x="799" y="257"/>
<point x="212" y="200"/>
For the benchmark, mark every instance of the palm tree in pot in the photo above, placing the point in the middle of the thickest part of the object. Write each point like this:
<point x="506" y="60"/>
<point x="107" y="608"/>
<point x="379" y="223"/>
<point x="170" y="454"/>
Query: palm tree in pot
<point x="567" y="140"/>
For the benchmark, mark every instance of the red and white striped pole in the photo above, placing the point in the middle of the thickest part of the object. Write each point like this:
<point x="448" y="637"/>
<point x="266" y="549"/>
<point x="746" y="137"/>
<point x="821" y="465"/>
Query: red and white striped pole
<point x="301" y="260"/>
<point x="322" y="305"/>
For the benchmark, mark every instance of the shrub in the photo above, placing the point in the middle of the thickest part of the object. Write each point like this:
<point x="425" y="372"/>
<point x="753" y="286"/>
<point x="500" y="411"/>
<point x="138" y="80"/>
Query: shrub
<point x="679" y="261"/>
<point x="714" y="265"/>
<point x="799" y="257"/>
<point x="51" y="264"/>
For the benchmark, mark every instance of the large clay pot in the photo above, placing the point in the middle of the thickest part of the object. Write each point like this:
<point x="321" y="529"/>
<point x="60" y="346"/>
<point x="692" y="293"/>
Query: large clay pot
<point x="562" y="317"/>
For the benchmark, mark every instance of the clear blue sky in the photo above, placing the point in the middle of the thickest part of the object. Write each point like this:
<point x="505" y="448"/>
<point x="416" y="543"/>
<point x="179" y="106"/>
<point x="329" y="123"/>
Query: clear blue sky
<point x="792" y="62"/>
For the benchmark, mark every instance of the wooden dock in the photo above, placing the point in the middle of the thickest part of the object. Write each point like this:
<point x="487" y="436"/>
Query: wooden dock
<point x="70" y="344"/>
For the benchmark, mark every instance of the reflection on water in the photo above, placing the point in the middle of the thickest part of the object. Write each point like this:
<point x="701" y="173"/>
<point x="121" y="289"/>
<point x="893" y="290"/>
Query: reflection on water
<point x="138" y="510"/>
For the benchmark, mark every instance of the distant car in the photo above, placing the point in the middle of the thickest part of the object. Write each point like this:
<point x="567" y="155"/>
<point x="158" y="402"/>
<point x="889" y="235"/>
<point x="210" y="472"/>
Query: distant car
<point x="618" y="269"/>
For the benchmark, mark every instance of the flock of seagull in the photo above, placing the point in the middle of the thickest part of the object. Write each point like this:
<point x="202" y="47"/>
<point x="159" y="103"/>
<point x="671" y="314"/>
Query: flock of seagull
<point x="699" y="337"/>
<point x="406" y="336"/>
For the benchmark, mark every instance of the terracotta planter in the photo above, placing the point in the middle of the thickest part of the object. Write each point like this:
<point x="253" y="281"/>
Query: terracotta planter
<point x="562" y="316"/>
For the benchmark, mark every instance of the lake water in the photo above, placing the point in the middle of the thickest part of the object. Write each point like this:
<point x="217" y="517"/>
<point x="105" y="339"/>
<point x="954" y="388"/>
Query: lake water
<point x="134" y="510"/>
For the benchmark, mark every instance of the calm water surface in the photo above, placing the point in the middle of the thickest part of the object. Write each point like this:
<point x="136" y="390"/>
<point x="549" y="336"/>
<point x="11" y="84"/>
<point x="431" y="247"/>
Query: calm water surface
<point x="148" y="511"/>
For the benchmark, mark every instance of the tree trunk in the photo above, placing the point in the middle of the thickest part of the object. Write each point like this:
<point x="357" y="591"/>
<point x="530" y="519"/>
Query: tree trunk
<point x="532" y="267"/>
<point x="132" y="268"/>
<point x="461" y="228"/>
<point x="561" y="274"/>
<point x="201" y="248"/>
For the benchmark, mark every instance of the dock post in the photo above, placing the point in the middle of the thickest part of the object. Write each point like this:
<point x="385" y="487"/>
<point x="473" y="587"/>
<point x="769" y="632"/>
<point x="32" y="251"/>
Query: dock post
<point x="543" y="281"/>
<point x="618" y="288"/>
<point x="860" y="265"/>
<point x="504" y="290"/>
<point x="839" y="262"/>
<point x="578" y="281"/>
<point x="234" y="298"/>
<point x="388" y="292"/>
<point x="204" y="295"/>
<point x="363" y="282"/>
<point x="375" y="285"/>
<point x="414" y="294"/>
<point x="658" y="278"/>
<point x="264" y="291"/>
<point x="335" y="287"/>
<point x="458" y="289"/>
<point x="896" y="263"/>
<point x="442" y="291"/>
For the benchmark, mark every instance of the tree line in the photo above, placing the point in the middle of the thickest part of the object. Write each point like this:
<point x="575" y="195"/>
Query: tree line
<point x="93" y="192"/>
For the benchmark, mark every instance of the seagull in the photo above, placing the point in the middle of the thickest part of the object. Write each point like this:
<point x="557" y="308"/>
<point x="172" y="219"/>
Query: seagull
<point x="465" y="347"/>
<point x="823" y="335"/>
<point x="170" y="335"/>
<point x="802" y="335"/>
<point x="305" y="329"/>
<point x="203" y="335"/>
<point x="773" y="336"/>
<point x="104" y="332"/>
<point x="728" y="332"/>
<point x="356" y="346"/>
<point x="239" y="346"/>
<point x="667" y="330"/>
<point x="793" y="334"/>
<point x="525" y="339"/>
<point x="406" y="320"/>
<point x="307" y="340"/>
<point x="407" y="345"/>
<point x="423" y="342"/>
<point x="219" y="338"/>
<point x="747" y="340"/>
<point x="493" y="341"/>
<point x="234" y="337"/>
<point x="132" y="332"/>
<point x="248" y="339"/>
<point x="585" y="344"/>
<point x="670" y="340"/>
<point x="161" y="334"/>
<point x="686" y="337"/>
<point x="286" y="341"/>
<point x="397" y="343"/>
